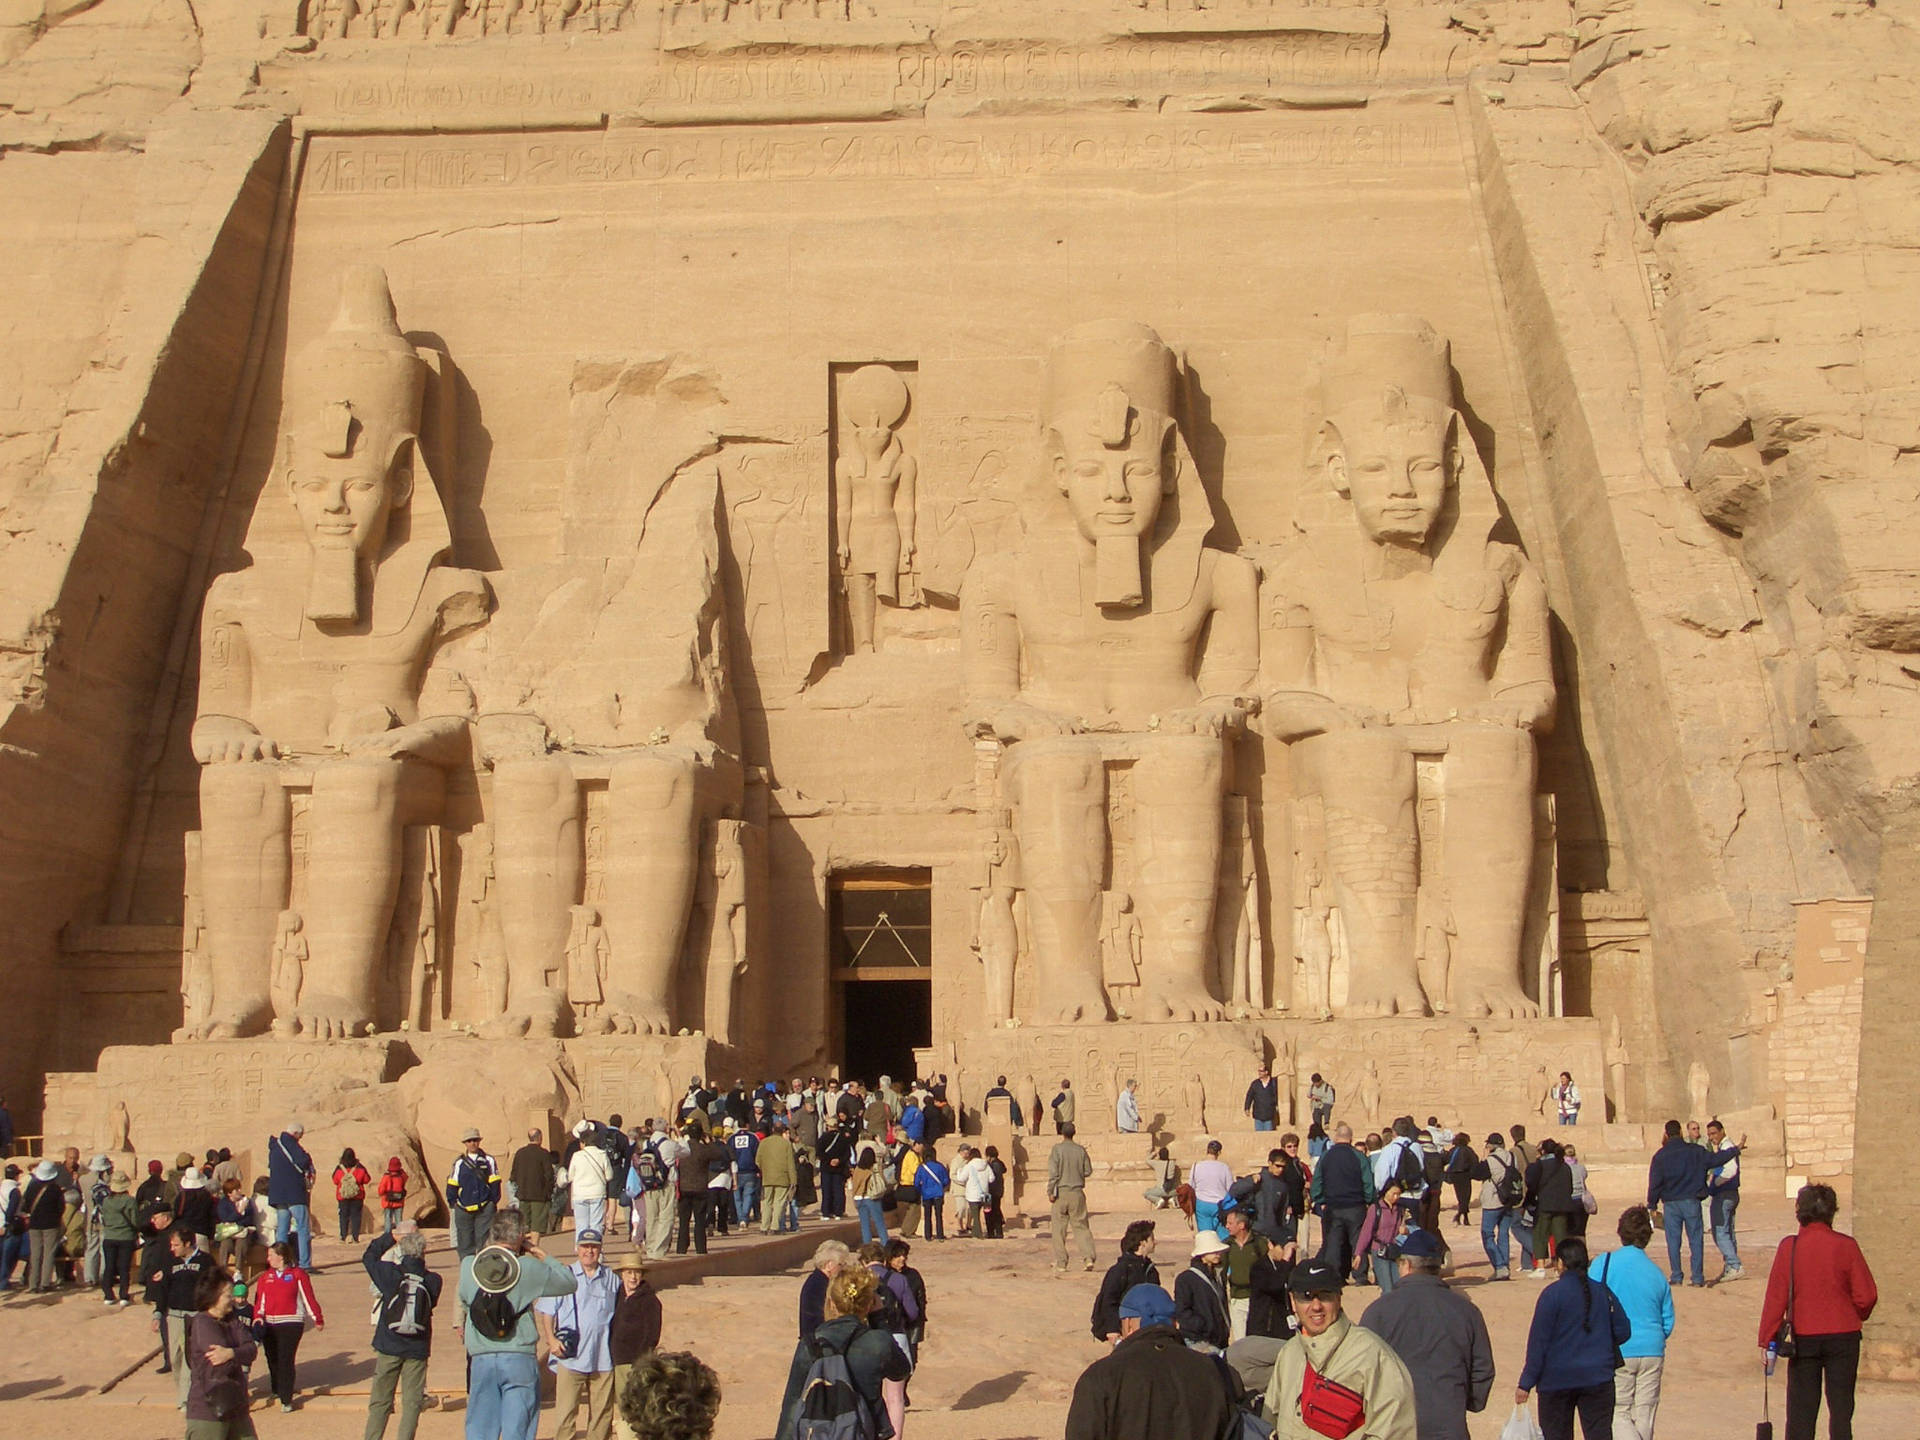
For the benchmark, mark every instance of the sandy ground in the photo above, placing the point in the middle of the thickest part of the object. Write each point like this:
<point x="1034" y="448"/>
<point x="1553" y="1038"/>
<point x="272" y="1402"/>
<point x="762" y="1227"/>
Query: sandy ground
<point x="1007" y="1340"/>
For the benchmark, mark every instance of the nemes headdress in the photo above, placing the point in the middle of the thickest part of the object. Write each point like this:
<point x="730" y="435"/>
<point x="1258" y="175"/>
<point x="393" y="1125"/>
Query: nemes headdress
<point x="1112" y="380"/>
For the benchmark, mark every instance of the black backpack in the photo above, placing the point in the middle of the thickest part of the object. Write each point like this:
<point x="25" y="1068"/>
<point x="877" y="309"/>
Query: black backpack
<point x="408" y="1311"/>
<point x="494" y="1315"/>
<point x="1411" y="1170"/>
<point x="1511" y="1188"/>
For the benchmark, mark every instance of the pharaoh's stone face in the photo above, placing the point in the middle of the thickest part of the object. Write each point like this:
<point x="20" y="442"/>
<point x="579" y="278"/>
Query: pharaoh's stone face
<point x="1396" y="474"/>
<point x="1112" y="490"/>
<point x="344" y="501"/>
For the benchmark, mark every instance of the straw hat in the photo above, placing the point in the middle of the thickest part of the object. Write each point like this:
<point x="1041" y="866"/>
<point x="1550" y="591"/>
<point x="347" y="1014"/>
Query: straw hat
<point x="121" y="1182"/>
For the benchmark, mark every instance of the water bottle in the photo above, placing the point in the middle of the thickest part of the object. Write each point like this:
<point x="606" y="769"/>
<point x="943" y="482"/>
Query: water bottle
<point x="1773" y="1355"/>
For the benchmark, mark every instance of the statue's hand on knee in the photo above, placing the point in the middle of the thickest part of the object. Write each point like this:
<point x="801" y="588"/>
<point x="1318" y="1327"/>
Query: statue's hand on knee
<point x="221" y="740"/>
<point x="1018" y="720"/>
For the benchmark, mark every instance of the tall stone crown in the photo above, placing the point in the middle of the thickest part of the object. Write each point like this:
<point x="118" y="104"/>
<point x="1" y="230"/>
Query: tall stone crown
<point x="362" y="367"/>
<point x="1088" y="360"/>
<point x="1382" y="352"/>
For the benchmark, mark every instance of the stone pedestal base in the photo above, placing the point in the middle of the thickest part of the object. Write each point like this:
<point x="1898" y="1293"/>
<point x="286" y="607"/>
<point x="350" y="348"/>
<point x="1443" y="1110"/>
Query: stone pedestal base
<point x="407" y="1096"/>
<point x="1480" y="1074"/>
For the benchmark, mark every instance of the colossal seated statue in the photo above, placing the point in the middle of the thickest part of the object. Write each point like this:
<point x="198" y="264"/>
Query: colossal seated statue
<point x="1401" y="631"/>
<point x="329" y="666"/>
<point x="1113" y="640"/>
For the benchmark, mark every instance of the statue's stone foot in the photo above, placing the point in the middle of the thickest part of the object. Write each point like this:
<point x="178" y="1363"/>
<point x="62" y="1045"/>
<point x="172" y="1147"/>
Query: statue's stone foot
<point x="1181" y="1002"/>
<point x="504" y="1027"/>
<point x="1383" y="996"/>
<point x="1070" y="1012"/>
<point x="325" y="1017"/>
<point x="1497" y="999"/>
<point x="593" y="1025"/>
<point x="285" y="1027"/>
<point x="623" y="1024"/>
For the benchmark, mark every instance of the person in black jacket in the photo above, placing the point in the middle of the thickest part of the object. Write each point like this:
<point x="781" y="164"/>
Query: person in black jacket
<point x="44" y="1206"/>
<point x="1200" y="1296"/>
<point x="156" y="1263"/>
<point x="1459" y="1172"/>
<point x="397" y="1266"/>
<point x="1151" y="1387"/>
<point x="1550" y="1193"/>
<point x="1134" y="1267"/>
<point x="691" y="1172"/>
<point x="836" y="1164"/>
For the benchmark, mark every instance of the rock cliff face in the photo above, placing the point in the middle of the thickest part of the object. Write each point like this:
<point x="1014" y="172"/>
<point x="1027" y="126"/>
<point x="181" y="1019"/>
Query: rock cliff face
<point x="1771" y="157"/>
<point x="1701" y="224"/>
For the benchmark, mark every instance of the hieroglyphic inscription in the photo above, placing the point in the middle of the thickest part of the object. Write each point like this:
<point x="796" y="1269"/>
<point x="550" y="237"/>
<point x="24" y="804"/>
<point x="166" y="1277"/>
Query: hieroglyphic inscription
<point x="361" y="165"/>
<point x="778" y="75"/>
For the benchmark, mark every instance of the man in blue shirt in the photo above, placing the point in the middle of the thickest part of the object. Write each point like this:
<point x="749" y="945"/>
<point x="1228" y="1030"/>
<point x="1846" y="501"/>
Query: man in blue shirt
<point x="744" y="1146"/>
<point x="585" y="1371"/>
<point x="1676" y="1184"/>
<point x="289" y="1183"/>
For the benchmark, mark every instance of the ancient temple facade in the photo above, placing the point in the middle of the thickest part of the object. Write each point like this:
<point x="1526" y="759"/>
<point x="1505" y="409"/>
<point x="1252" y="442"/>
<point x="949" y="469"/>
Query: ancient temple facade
<point x="590" y="543"/>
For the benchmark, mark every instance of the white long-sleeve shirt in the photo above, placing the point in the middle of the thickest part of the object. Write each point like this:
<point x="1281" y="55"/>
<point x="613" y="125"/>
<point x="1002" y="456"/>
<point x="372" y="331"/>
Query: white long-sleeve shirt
<point x="1126" y="1113"/>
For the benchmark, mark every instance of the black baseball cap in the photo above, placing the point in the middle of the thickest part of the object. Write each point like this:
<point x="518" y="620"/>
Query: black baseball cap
<point x="1315" y="1277"/>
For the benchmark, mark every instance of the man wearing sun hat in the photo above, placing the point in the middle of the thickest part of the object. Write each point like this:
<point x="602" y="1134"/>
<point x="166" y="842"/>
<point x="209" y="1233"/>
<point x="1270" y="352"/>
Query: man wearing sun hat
<point x="1334" y="1372"/>
<point x="1200" y="1296"/>
<point x="1150" y="1386"/>
<point x="473" y="1193"/>
<point x="503" y="1377"/>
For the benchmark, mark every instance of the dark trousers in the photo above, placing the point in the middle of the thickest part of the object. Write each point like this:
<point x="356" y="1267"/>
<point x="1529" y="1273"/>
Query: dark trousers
<point x="1340" y="1235"/>
<point x="833" y="1194"/>
<point x="1462" y="1200"/>
<point x="694" y="1210"/>
<point x="933" y="1218"/>
<point x="996" y="1221"/>
<point x="1834" y="1360"/>
<point x="351" y="1213"/>
<point x="116" y="1269"/>
<point x="282" y="1343"/>
<point x="1593" y="1403"/>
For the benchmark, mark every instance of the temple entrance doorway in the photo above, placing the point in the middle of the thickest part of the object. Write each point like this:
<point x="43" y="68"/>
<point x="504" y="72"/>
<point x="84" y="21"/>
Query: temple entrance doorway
<point x="881" y="965"/>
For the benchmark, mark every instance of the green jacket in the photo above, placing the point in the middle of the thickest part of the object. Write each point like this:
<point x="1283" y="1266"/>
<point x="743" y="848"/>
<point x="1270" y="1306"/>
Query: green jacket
<point x="118" y="1218"/>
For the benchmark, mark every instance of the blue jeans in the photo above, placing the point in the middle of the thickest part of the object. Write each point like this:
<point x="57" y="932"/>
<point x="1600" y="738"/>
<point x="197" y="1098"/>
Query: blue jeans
<point x="1263" y="1124"/>
<point x="746" y="1194"/>
<point x="873" y="1220"/>
<point x="587" y="1215"/>
<point x="1683" y="1216"/>
<point x="503" y="1397"/>
<point x="1496" y="1236"/>
<point x="1385" y="1272"/>
<point x="12" y="1247"/>
<point x="294" y="1218"/>
<point x="1720" y="1212"/>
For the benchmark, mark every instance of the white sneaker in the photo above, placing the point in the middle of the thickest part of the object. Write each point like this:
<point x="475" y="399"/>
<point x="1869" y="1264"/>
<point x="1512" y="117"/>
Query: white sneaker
<point x="1540" y="1273"/>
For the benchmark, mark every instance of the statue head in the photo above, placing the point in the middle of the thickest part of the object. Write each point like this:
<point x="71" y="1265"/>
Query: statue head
<point x="1111" y="442"/>
<point x="874" y="400"/>
<point x="349" y="445"/>
<point x="1388" y="439"/>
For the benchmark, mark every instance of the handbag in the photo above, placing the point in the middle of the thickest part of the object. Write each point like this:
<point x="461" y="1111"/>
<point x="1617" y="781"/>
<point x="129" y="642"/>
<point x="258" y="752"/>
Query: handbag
<point x="1783" y="1337"/>
<point x="1330" y="1408"/>
<point x="566" y="1338"/>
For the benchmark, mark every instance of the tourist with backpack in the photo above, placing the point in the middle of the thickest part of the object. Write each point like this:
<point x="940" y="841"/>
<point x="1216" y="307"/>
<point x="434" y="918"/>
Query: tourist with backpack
<point x="393" y="1194"/>
<point x="350" y="1182"/>
<point x="498" y="1289"/>
<point x="1502" y="1188"/>
<point x="834" y="1384"/>
<point x="473" y="1194"/>
<point x="653" y="1162"/>
<point x="403" y="1327"/>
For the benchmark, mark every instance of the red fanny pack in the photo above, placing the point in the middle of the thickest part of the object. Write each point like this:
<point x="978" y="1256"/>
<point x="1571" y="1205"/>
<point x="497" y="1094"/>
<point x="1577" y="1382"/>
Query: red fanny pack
<point x="1330" y="1408"/>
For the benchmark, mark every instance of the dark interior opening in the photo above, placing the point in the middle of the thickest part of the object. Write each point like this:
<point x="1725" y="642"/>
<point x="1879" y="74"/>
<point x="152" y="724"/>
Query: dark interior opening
<point x="881" y="1022"/>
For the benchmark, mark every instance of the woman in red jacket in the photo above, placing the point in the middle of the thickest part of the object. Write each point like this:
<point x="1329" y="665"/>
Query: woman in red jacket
<point x="283" y="1303"/>
<point x="1821" y="1283"/>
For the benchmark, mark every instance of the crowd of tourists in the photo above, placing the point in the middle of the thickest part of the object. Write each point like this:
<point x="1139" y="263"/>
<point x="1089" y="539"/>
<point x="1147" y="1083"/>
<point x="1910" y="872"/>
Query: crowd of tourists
<point x="1252" y="1336"/>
